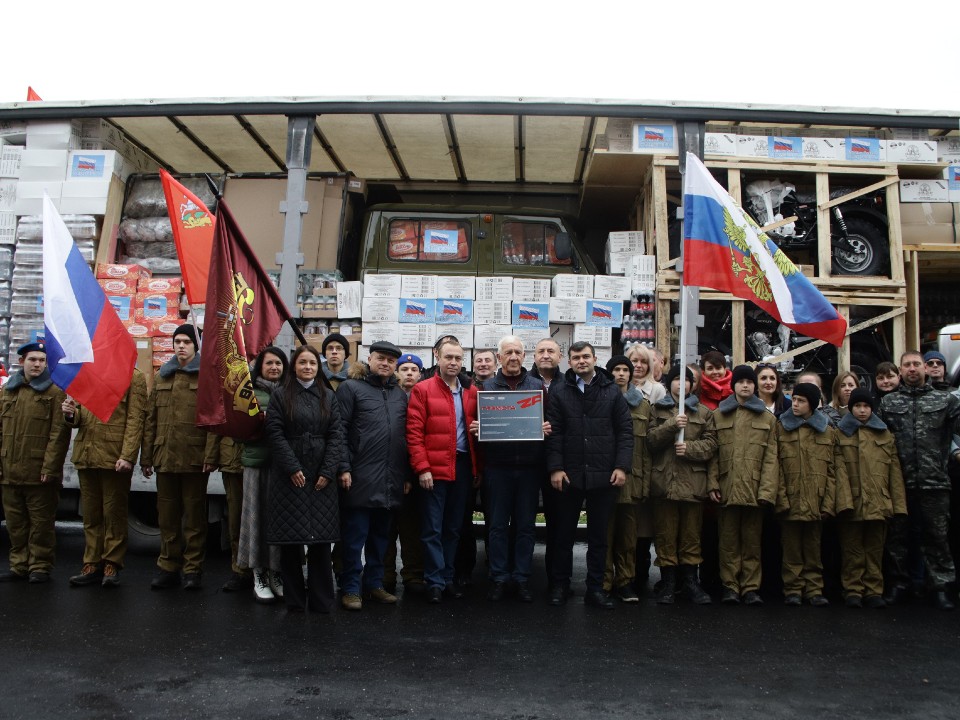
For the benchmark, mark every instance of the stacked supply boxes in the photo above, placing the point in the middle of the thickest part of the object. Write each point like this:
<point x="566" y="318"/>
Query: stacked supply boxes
<point x="26" y="300"/>
<point x="624" y="256"/>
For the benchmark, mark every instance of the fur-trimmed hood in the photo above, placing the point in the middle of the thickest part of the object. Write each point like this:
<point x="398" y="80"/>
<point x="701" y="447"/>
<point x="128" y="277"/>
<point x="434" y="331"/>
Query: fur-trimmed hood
<point x="818" y="421"/>
<point x="849" y="425"/>
<point x="729" y="404"/>
<point x="40" y="383"/>
<point x="172" y="365"/>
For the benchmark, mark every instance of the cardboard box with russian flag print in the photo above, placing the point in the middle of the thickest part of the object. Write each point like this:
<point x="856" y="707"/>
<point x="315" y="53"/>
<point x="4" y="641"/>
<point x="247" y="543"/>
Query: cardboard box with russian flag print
<point x="454" y="311"/>
<point x="784" y="148"/>
<point x="654" y="138"/>
<point x="604" y="313"/>
<point x="863" y="149"/>
<point x="531" y="315"/>
<point x="92" y="164"/>
<point x="418" y="310"/>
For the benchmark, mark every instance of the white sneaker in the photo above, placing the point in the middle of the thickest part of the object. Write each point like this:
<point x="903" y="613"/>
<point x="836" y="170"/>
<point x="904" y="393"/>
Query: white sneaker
<point x="276" y="583"/>
<point x="261" y="586"/>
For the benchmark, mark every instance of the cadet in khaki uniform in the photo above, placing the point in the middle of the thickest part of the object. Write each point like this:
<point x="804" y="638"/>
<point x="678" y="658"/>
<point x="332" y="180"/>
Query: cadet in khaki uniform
<point x="684" y="475"/>
<point x="232" y="471"/>
<point x="749" y="478"/>
<point x="104" y="454"/>
<point x="813" y="485"/>
<point x="33" y="444"/>
<point x="183" y="456"/>
<point x="620" y="571"/>
<point x="876" y="486"/>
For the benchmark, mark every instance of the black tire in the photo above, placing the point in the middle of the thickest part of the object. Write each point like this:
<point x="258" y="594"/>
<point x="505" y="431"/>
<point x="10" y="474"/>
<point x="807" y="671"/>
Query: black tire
<point x="864" y="366"/>
<point x="869" y="253"/>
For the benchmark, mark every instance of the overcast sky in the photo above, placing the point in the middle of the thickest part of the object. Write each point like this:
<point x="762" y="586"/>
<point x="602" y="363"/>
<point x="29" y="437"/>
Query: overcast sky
<point x="813" y="53"/>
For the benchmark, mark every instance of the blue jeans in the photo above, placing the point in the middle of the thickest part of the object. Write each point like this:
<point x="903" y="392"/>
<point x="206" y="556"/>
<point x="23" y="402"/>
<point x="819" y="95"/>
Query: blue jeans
<point x="365" y="530"/>
<point x="441" y="512"/>
<point x="512" y="494"/>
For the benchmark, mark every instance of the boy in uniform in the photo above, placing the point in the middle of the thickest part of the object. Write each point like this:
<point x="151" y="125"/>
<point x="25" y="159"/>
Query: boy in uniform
<point x="749" y="477"/>
<point x="813" y="486"/>
<point x="876" y="486"/>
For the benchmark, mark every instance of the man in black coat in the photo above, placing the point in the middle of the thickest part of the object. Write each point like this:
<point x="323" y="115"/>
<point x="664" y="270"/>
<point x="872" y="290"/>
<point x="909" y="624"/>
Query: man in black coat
<point x="589" y="454"/>
<point x="373" y="469"/>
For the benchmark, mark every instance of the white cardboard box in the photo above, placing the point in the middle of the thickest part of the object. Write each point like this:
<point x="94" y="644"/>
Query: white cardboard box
<point x="43" y="165"/>
<point x="420" y="334"/>
<point x="912" y="151"/>
<point x="822" y="148"/>
<point x="564" y="310"/>
<point x="92" y="165"/>
<point x="418" y="286"/>
<point x="487" y="336"/>
<point x="491" y="312"/>
<point x="596" y="336"/>
<point x="948" y="149"/>
<point x="494" y="288"/>
<point x="378" y="310"/>
<point x="655" y="138"/>
<point x="754" y="146"/>
<point x="373" y="332"/>
<point x="572" y="286"/>
<point x="83" y="205"/>
<point x="456" y="287"/>
<point x="10" y="160"/>
<point x="626" y="241"/>
<point x="531" y="290"/>
<point x="454" y="311"/>
<point x="382" y="286"/>
<point x="529" y="337"/>
<point x="15" y="132"/>
<point x="719" y="144"/>
<point x="608" y="287"/>
<point x="349" y="299"/>
<point x="618" y="263"/>
<point x="8" y="228"/>
<point x="8" y="195"/>
<point x="30" y="196"/>
<point x="419" y="311"/>
<point x="860" y="149"/>
<point x="605" y="313"/>
<point x="531" y="315"/>
<point x="52" y="134"/>
<point x="924" y="191"/>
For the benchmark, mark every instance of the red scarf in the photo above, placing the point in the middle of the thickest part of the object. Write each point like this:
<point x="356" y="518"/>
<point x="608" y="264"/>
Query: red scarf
<point x="713" y="391"/>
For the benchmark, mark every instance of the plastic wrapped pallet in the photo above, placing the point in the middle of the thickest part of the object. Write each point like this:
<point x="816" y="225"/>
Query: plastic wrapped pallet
<point x="150" y="229"/>
<point x="146" y="198"/>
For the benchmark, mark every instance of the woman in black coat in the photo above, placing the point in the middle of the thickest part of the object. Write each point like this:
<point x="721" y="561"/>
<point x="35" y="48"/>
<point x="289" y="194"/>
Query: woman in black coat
<point x="306" y="439"/>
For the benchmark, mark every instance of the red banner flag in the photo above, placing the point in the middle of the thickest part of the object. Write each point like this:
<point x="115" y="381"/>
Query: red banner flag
<point x="32" y="95"/>
<point x="193" y="234"/>
<point x="244" y="313"/>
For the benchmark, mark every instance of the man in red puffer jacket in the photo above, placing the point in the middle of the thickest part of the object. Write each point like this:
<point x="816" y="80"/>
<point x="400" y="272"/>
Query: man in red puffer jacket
<point x="443" y="455"/>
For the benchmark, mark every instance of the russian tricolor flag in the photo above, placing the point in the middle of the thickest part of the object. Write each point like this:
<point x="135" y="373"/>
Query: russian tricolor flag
<point x="726" y="251"/>
<point x="90" y="355"/>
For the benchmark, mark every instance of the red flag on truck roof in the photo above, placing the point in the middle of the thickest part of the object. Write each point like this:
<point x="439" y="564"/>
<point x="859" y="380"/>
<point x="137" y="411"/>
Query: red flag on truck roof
<point x="32" y="95"/>
<point x="193" y="235"/>
<point x="243" y="314"/>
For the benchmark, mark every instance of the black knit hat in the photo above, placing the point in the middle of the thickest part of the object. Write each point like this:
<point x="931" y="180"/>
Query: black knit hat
<point x="190" y="331"/>
<point x="619" y="360"/>
<point x="860" y="395"/>
<point x="743" y="372"/>
<point x="335" y="338"/>
<point x="675" y="373"/>
<point x="809" y="391"/>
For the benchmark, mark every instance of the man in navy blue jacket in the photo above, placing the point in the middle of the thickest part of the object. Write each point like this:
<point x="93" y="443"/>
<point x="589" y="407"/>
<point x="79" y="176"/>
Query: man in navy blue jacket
<point x="589" y="454"/>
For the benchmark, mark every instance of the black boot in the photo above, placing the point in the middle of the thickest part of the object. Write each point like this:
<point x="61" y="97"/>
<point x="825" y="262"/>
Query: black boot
<point x="667" y="585"/>
<point x="691" y="584"/>
<point x="941" y="601"/>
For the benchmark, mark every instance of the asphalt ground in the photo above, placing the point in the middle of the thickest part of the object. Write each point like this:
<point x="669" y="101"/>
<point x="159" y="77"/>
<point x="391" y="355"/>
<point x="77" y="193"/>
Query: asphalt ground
<point x="132" y="652"/>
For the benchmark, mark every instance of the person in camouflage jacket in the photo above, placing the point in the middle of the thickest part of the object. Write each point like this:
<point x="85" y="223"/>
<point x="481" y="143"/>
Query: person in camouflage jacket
<point x="923" y="420"/>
